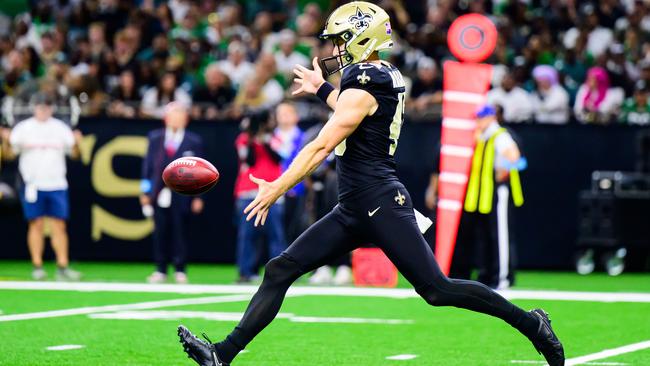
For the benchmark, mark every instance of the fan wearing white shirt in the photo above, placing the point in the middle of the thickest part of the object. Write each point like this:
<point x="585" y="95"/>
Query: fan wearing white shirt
<point x="514" y="100"/>
<point x="550" y="100"/>
<point x="286" y="57"/>
<point x="42" y="143"/>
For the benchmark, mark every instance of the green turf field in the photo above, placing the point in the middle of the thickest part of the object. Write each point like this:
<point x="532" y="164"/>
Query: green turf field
<point x="134" y="324"/>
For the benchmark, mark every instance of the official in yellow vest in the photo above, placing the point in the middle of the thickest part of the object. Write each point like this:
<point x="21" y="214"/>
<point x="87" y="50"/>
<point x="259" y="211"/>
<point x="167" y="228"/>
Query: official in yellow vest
<point x="485" y="238"/>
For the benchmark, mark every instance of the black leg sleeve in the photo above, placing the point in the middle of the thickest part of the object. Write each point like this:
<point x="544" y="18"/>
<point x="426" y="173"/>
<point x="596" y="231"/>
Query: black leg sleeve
<point x="323" y="241"/>
<point x="395" y="231"/>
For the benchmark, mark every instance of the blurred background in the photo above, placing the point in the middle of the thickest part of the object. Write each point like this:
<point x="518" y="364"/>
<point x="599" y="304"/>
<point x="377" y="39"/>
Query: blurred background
<point x="113" y="66"/>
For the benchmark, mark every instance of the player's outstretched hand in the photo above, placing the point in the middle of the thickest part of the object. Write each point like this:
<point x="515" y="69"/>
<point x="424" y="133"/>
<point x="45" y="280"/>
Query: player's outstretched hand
<point x="267" y="194"/>
<point x="309" y="80"/>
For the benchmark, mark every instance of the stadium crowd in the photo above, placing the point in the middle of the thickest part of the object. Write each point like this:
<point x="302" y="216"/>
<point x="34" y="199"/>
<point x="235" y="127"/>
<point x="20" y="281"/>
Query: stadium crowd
<point x="555" y="62"/>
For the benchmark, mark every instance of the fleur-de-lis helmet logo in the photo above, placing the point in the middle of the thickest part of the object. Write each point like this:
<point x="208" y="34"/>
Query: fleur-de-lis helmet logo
<point x="360" y="20"/>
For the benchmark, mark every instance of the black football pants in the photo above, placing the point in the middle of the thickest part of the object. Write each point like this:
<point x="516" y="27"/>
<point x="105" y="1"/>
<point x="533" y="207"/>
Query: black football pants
<point x="375" y="217"/>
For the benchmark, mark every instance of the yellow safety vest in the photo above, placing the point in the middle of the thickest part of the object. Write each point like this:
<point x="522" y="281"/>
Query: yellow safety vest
<point x="480" y="189"/>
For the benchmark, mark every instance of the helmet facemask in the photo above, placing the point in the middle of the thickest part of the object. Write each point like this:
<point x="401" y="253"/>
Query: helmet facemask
<point x="343" y="58"/>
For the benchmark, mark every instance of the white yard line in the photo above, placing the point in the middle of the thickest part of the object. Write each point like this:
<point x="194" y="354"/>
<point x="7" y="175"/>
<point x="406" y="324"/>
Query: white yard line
<point x="228" y="317"/>
<point x="309" y="290"/>
<point x="608" y="353"/>
<point x="124" y="307"/>
<point x="402" y="357"/>
<point x="532" y="362"/>
<point x="64" y="347"/>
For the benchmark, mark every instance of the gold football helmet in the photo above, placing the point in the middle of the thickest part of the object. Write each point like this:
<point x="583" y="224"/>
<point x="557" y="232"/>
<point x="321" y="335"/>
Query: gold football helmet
<point x="357" y="29"/>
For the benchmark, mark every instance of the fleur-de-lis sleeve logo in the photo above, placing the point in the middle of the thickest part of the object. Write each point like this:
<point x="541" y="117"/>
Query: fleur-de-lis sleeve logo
<point x="360" y="19"/>
<point x="363" y="78"/>
<point x="400" y="198"/>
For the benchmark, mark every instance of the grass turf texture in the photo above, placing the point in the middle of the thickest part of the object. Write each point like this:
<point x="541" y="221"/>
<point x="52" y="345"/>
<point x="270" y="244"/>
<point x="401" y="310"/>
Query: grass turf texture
<point x="440" y="336"/>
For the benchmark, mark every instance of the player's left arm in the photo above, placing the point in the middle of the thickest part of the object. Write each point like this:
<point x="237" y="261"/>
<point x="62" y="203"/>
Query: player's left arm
<point x="351" y="108"/>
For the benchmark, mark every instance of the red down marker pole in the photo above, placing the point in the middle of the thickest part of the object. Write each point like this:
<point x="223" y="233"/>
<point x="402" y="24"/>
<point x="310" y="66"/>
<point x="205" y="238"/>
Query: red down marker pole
<point x="471" y="38"/>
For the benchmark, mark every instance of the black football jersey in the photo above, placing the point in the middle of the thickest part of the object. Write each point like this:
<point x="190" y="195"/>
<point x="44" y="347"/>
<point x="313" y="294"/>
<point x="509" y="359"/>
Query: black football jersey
<point x="365" y="159"/>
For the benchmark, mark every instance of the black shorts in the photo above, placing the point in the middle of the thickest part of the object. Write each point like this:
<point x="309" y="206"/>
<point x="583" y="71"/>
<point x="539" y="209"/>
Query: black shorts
<point x="381" y="216"/>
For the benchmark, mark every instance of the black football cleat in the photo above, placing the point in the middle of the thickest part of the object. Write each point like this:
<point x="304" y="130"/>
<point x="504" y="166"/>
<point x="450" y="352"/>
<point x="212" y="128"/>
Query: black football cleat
<point x="204" y="353"/>
<point x="546" y="341"/>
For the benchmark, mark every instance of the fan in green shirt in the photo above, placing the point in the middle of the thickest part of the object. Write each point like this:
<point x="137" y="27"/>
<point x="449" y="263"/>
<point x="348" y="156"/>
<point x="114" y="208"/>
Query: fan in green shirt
<point x="636" y="109"/>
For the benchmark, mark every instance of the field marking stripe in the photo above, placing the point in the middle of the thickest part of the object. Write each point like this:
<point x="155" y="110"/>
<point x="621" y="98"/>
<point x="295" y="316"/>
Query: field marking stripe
<point x="236" y="316"/>
<point x="314" y="291"/>
<point x="535" y="362"/>
<point x="123" y="307"/>
<point x="608" y="353"/>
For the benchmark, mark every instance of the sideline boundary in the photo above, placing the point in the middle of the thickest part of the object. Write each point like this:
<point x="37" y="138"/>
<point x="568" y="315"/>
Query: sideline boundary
<point x="310" y="290"/>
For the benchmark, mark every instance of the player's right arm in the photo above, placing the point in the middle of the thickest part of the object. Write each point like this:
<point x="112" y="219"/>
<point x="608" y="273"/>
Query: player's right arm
<point x="353" y="106"/>
<point x="311" y="80"/>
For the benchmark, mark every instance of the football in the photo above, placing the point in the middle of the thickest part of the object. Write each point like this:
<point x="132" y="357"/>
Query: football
<point x="190" y="175"/>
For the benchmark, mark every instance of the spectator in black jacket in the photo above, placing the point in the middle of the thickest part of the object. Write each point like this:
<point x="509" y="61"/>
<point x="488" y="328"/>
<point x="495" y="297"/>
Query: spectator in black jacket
<point x="211" y="100"/>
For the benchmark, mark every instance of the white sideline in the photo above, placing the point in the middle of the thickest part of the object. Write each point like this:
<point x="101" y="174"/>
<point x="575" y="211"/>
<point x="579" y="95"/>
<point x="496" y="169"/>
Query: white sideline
<point x="309" y="290"/>
<point x="229" y="317"/>
<point x="123" y="307"/>
<point x="608" y="353"/>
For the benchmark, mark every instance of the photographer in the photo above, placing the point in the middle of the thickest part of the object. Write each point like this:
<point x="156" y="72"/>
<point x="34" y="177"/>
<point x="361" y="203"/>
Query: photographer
<point x="257" y="149"/>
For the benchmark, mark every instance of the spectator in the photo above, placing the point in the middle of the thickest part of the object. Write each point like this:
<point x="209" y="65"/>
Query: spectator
<point x="236" y="66"/>
<point x="636" y="109"/>
<point x="258" y="92"/>
<point x="286" y="57"/>
<point x="167" y="91"/>
<point x="97" y="40"/>
<point x="266" y="70"/>
<point x="210" y="101"/>
<point x="514" y="100"/>
<point x="550" y="100"/>
<point x="171" y="211"/>
<point x="598" y="38"/>
<point x="426" y="90"/>
<point x="125" y="97"/>
<point x="257" y="149"/>
<point x="621" y="71"/>
<point x="125" y="46"/>
<point x="42" y="143"/>
<point x="291" y="140"/>
<point x="596" y="102"/>
<point x="574" y="69"/>
<point x="644" y="67"/>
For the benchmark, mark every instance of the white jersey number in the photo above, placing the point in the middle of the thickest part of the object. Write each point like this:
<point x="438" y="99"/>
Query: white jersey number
<point x="398" y="118"/>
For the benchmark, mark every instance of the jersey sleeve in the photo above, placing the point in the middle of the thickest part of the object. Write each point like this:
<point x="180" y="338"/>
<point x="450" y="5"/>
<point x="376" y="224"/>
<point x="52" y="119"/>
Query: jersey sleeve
<point x="67" y="137"/>
<point x="365" y="76"/>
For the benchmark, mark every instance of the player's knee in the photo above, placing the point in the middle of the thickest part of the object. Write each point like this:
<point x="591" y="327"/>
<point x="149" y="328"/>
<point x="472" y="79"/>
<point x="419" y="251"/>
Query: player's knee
<point x="434" y="295"/>
<point x="281" y="270"/>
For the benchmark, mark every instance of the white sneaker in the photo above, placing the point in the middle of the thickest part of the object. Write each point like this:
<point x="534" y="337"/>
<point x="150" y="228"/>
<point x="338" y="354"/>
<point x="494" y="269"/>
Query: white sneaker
<point x="343" y="276"/>
<point x="157" y="277"/>
<point x="322" y="276"/>
<point x="39" y="274"/>
<point x="66" y="274"/>
<point x="181" y="277"/>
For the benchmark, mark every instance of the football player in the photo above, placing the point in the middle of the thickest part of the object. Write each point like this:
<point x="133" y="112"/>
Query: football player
<point x="374" y="206"/>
